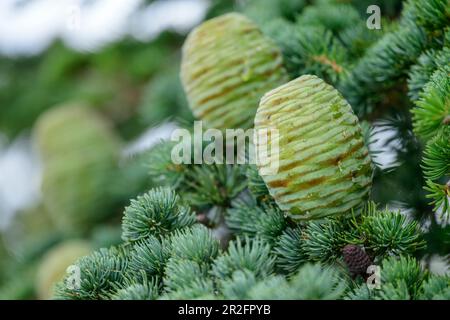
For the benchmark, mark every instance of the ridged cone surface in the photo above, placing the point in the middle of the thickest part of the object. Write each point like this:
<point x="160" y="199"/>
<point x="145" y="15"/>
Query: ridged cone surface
<point x="54" y="264"/>
<point x="79" y="152"/>
<point x="227" y="65"/>
<point x="324" y="166"/>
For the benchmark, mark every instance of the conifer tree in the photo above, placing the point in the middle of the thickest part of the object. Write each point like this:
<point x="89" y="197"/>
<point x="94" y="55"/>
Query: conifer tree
<point x="312" y="230"/>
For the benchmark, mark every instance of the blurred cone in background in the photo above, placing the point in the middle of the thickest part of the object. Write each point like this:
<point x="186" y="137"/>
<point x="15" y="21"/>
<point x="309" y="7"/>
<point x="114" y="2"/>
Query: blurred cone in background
<point x="54" y="264"/>
<point x="79" y="152"/>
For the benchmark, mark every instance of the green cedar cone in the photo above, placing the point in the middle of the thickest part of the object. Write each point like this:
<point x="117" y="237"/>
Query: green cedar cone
<point x="227" y="65"/>
<point x="324" y="166"/>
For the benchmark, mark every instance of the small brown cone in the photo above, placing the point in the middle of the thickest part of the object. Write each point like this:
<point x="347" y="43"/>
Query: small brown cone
<point x="356" y="259"/>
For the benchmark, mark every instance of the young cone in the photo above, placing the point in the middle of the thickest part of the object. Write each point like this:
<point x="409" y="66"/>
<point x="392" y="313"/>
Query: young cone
<point x="324" y="167"/>
<point x="53" y="266"/>
<point x="227" y="65"/>
<point x="356" y="259"/>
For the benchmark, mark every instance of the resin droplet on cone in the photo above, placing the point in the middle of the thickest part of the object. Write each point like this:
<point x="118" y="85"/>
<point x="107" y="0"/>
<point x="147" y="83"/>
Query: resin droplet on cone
<point x="227" y="65"/>
<point x="324" y="167"/>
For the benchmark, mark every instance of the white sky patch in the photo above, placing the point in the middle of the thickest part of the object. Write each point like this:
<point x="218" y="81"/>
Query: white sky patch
<point x="31" y="28"/>
<point x="177" y="15"/>
<point x="20" y="176"/>
<point x="442" y="218"/>
<point x="149" y="138"/>
<point x="28" y="29"/>
<point x="437" y="265"/>
<point x="387" y="149"/>
<point x="92" y="26"/>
